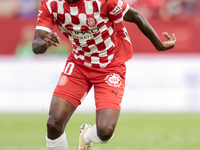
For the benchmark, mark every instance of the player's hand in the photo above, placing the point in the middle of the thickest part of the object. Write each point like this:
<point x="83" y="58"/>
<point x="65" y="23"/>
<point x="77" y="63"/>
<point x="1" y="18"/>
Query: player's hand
<point x="51" y="39"/>
<point x="170" y="43"/>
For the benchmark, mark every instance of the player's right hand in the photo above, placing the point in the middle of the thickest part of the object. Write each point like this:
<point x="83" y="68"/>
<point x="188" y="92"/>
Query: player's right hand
<point x="51" y="39"/>
<point x="171" y="41"/>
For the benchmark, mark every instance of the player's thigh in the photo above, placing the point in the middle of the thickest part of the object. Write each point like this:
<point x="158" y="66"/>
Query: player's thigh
<point x="106" y="120"/>
<point x="60" y="111"/>
<point x="72" y="86"/>
<point x="59" y="114"/>
<point x="109" y="89"/>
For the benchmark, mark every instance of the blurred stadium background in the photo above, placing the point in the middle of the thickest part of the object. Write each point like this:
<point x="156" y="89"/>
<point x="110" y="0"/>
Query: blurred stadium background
<point x="166" y="83"/>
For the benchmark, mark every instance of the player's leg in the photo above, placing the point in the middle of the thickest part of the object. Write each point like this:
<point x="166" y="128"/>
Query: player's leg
<point x="59" y="114"/>
<point x="109" y="90"/>
<point x="109" y="93"/>
<point x="101" y="132"/>
<point x="68" y="95"/>
<point x="106" y="120"/>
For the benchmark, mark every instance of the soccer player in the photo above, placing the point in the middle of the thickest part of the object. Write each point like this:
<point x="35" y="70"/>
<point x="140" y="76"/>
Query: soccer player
<point x="101" y="46"/>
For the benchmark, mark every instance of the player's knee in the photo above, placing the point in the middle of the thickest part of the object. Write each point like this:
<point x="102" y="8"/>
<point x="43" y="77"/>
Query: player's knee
<point x="54" y="128"/>
<point x="105" y="133"/>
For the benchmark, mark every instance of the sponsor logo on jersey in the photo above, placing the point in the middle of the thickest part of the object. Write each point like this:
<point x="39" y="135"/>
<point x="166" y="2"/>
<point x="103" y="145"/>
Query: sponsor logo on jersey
<point x="63" y="80"/>
<point x="83" y="35"/>
<point x="91" y="22"/>
<point x="117" y="9"/>
<point x="113" y="80"/>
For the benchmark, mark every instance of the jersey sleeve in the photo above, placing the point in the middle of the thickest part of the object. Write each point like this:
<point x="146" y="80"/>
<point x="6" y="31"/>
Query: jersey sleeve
<point x="116" y="9"/>
<point x="45" y="19"/>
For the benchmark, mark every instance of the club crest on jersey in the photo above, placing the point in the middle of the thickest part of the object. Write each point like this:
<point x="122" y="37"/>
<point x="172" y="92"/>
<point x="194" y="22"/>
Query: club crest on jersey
<point x="63" y="80"/>
<point x="91" y="21"/>
<point x="113" y="80"/>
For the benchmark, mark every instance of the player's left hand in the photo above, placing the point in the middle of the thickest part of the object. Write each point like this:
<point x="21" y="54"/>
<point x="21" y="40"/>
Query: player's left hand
<point x="51" y="39"/>
<point x="170" y="43"/>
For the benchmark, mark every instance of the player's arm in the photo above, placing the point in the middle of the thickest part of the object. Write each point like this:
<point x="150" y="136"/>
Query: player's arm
<point x="43" y="40"/>
<point x="44" y="37"/>
<point x="134" y="16"/>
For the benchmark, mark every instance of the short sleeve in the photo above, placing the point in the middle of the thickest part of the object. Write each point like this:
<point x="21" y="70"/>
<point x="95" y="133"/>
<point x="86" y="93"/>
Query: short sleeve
<point x="45" y="19"/>
<point x="116" y="9"/>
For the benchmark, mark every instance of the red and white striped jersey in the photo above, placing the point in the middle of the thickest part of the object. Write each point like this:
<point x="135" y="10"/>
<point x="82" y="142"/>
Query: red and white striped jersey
<point x="90" y="25"/>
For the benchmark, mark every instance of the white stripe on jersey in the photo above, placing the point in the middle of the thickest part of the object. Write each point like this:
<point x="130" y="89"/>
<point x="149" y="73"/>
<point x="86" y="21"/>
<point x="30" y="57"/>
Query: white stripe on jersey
<point x="108" y="42"/>
<point x="125" y="11"/>
<point x="88" y="7"/>
<point x="119" y="20"/>
<point x="74" y="11"/>
<point x="95" y="60"/>
<point x="43" y="28"/>
<point x="59" y="6"/>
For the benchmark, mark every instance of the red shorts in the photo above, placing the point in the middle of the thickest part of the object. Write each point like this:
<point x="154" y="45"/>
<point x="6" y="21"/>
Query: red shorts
<point x="76" y="80"/>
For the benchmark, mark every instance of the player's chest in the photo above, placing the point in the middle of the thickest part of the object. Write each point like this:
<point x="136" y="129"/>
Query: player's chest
<point x="80" y="20"/>
<point x="85" y="16"/>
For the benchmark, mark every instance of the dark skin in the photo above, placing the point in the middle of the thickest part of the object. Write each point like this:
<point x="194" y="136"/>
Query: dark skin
<point x="73" y="1"/>
<point x="134" y="16"/>
<point x="106" y="119"/>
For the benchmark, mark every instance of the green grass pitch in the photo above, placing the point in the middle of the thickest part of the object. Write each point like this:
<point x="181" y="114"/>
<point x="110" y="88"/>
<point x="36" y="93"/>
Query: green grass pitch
<point x="133" y="132"/>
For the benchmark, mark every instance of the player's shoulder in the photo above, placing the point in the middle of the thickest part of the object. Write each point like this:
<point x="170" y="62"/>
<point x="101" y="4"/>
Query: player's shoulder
<point x="51" y="4"/>
<point x="105" y="1"/>
<point x="109" y="2"/>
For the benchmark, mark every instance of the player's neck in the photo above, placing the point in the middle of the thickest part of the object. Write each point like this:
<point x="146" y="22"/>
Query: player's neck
<point x="73" y="1"/>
